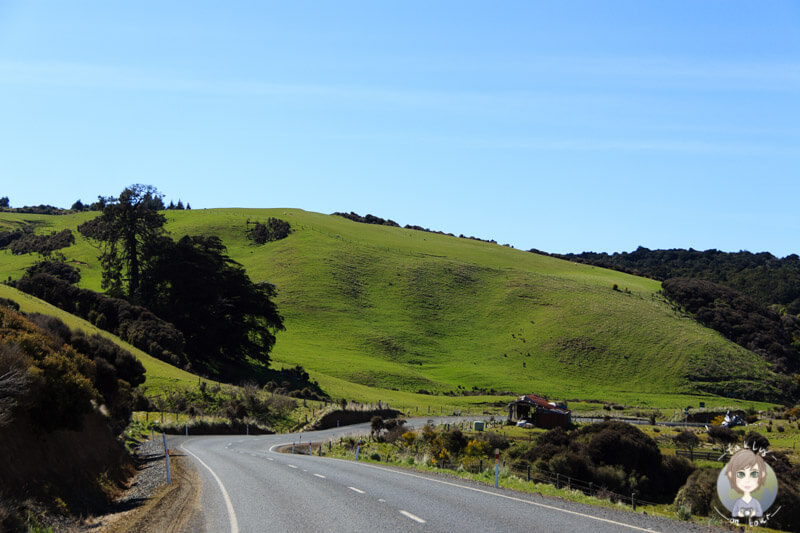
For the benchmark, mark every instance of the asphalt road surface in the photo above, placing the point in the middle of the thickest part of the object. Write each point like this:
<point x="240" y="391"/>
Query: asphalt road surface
<point x="250" y="487"/>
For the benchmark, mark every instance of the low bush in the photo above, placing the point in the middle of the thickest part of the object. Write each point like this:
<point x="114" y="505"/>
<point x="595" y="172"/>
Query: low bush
<point x="699" y="493"/>
<point x="43" y="244"/>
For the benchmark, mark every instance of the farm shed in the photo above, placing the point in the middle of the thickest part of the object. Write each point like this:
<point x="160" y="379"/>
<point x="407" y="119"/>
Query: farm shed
<point x="540" y="412"/>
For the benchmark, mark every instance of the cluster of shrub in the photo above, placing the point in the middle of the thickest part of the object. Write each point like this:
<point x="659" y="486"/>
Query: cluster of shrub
<point x="612" y="455"/>
<point x="94" y="206"/>
<point x="442" y="447"/>
<point x="372" y="219"/>
<point x="116" y="371"/>
<point x="132" y="323"/>
<point x="36" y="210"/>
<point x="478" y="391"/>
<point x="8" y="237"/>
<point x="274" y="230"/>
<point x="28" y="242"/>
<point x="369" y="219"/>
<point x="5" y="205"/>
<point x="64" y="398"/>
<point x="248" y="403"/>
<point x="764" y="277"/>
<point x="55" y="374"/>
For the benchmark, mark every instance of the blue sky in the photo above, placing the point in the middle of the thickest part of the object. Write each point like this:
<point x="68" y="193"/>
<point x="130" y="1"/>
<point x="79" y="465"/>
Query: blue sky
<point x="562" y="126"/>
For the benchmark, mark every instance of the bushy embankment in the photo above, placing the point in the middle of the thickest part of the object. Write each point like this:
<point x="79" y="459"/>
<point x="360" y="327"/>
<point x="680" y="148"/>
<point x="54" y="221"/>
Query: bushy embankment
<point x="55" y="446"/>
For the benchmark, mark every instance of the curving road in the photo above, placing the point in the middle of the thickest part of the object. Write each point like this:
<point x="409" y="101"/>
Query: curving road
<point x="249" y="487"/>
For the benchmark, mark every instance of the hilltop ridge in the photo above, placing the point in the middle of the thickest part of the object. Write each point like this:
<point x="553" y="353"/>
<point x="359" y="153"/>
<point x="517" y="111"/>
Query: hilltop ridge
<point x="372" y="310"/>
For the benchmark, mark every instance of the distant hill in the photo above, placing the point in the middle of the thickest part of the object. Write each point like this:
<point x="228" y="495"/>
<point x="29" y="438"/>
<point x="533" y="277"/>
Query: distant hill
<point x="376" y="312"/>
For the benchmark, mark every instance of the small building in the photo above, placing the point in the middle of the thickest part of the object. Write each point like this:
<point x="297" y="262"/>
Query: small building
<point x="539" y="412"/>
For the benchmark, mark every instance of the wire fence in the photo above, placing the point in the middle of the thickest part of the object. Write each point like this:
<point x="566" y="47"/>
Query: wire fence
<point x="531" y="475"/>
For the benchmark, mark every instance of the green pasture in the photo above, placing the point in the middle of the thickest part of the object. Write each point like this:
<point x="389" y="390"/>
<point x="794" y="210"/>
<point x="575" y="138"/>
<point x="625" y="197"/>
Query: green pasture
<point x="382" y="313"/>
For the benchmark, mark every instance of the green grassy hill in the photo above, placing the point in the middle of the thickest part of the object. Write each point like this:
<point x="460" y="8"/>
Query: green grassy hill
<point x="377" y="312"/>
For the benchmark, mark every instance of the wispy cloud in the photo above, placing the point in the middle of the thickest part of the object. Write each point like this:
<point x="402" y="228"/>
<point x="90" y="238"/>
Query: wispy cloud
<point x="683" y="139"/>
<point x="654" y="72"/>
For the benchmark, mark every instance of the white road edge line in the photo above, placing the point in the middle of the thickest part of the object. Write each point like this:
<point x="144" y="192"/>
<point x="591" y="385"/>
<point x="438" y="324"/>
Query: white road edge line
<point x="320" y="476"/>
<point x="412" y="517"/>
<point x="291" y="466"/>
<point x="356" y="490"/>
<point x="231" y="513"/>
<point x="475" y="489"/>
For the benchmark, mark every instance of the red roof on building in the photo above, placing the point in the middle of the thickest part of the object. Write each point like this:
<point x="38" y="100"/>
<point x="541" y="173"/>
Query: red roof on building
<point x="543" y="403"/>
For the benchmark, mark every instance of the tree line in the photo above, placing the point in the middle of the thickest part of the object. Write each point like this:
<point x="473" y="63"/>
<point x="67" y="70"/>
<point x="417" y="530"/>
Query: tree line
<point x="372" y="219"/>
<point x="762" y="276"/>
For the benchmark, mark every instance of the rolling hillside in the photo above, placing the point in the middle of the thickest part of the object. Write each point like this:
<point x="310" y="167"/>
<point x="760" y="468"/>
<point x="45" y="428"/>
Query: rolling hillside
<point x="375" y="312"/>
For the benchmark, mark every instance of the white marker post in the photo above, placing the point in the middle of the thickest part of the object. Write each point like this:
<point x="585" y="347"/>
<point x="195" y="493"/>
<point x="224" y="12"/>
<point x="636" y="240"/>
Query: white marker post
<point x="496" y="467"/>
<point x="358" y="448"/>
<point x="166" y="458"/>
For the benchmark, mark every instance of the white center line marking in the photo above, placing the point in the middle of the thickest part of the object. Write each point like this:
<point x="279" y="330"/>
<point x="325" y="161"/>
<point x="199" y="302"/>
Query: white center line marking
<point x="291" y="466"/>
<point x="412" y="517"/>
<point x="356" y="490"/>
<point x="381" y="500"/>
<point x="320" y="476"/>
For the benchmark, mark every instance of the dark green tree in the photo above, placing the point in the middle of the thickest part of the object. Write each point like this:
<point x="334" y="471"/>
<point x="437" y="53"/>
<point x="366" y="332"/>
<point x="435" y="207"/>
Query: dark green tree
<point x="224" y="316"/>
<point x="687" y="439"/>
<point x="4" y="202"/>
<point x="125" y="227"/>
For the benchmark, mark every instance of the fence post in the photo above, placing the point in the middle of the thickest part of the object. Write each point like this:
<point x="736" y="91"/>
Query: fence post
<point x="166" y="458"/>
<point x="529" y="473"/>
<point x="496" y="467"/>
<point x="633" y="500"/>
<point x="591" y="491"/>
<point x="558" y="481"/>
<point x="480" y="468"/>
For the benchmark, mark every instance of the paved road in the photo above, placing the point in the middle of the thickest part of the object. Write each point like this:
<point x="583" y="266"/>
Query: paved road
<point x="247" y="486"/>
